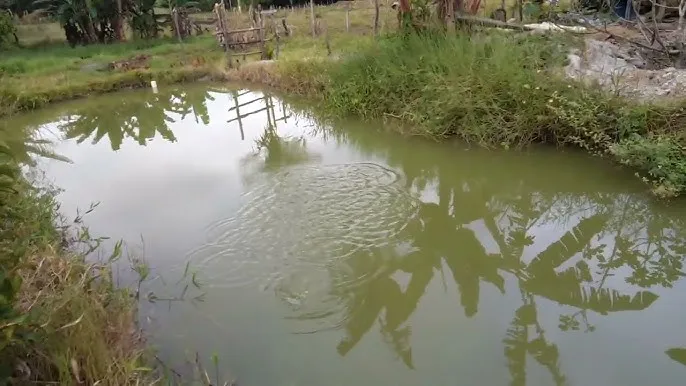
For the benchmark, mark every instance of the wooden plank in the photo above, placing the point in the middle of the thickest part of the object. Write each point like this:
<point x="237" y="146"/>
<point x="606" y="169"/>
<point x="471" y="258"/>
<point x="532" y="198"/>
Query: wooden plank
<point x="237" y="31"/>
<point x="248" y="42"/>
<point x="249" y="114"/>
<point x="492" y="23"/>
<point x="245" y="53"/>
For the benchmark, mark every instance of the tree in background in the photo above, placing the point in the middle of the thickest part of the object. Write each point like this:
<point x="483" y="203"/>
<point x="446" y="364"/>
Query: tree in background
<point x="142" y="18"/>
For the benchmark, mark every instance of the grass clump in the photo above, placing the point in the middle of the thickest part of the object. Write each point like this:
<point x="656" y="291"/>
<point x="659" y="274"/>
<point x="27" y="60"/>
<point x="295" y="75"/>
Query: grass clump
<point x="487" y="89"/>
<point x="498" y="90"/>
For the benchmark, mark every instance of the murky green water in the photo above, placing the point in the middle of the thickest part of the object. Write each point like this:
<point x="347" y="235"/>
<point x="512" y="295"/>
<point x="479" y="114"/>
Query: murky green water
<point x="347" y="256"/>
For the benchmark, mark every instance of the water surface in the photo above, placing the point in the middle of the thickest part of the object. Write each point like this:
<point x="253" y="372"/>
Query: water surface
<point x="344" y="255"/>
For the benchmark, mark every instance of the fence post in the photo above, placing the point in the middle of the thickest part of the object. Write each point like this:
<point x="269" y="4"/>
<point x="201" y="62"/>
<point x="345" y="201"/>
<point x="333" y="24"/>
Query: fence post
<point x="260" y="21"/>
<point x="376" y="17"/>
<point x="347" y="17"/>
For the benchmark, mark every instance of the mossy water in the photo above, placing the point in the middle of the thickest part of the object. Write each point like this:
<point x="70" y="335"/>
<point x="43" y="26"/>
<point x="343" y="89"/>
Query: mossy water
<point x="338" y="254"/>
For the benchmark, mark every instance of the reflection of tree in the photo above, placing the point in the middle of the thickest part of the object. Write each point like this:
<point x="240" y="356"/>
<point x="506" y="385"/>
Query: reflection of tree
<point x="138" y="116"/>
<point x="281" y="151"/>
<point x="272" y="151"/>
<point x="606" y="231"/>
<point x="518" y="344"/>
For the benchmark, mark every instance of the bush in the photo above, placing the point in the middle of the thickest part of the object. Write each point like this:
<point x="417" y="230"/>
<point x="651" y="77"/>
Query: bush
<point x="7" y="28"/>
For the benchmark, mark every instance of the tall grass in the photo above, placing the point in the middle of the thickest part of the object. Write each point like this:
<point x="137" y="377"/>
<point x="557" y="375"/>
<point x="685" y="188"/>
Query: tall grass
<point x="485" y="89"/>
<point x="499" y="90"/>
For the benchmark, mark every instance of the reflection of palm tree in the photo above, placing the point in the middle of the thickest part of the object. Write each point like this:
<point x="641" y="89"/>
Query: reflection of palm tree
<point x="191" y="100"/>
<point x="508" y="209"/>
<point x="139" y="116"/>
<point x="280" y="151"/>
<point x="274" y="152"/>
<point x="677" y="354"/>
<point x="518" y="344"/>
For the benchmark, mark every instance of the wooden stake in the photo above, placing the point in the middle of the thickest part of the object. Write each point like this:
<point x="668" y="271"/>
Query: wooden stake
<point x="285" y="27"/>
<point x="314" y="30"/>
<point x="260" y="20"/>
<point x="376" y="17"/>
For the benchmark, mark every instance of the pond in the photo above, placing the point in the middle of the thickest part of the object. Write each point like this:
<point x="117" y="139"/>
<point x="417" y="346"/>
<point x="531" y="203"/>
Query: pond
<point x="342" y="254"/>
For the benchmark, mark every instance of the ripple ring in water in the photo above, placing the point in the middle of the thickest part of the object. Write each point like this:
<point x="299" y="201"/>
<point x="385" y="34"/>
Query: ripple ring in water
<point x="346" y="210"/>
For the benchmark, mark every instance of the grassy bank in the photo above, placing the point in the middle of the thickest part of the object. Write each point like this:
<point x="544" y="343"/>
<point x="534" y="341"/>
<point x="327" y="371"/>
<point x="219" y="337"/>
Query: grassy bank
<point x="496" y="91"/>
<point x="30" y="78"/>
<point x="62" y="319"/>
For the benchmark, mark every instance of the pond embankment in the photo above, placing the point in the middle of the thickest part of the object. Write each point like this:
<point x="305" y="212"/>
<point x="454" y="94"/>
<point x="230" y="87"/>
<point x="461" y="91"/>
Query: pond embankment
<point x="494" y="91"/>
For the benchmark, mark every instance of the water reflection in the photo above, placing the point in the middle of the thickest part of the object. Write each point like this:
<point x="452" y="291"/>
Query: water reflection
<point x="484" y="229"/>
<point x="593" y="248"/>
<point x="139" y="116"/>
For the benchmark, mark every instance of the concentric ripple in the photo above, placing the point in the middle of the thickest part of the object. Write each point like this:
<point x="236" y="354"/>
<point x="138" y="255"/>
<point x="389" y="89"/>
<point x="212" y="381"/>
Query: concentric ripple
<point x="311" y="234"/>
